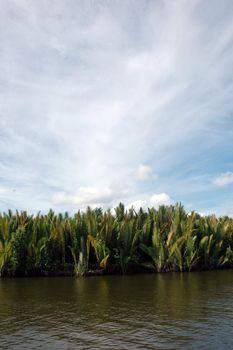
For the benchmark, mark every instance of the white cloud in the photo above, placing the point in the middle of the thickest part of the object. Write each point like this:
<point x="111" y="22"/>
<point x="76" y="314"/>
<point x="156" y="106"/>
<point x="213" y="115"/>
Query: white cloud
<point x="160" y="199"/>
<point x="144" y="172"/>
<point x="224" y="179"/>
<point x="90" y="196"/>
<point x="152" y="201"/>
<point x="140" y="82"/>
<point x="138" y="204"/>
<point x="203" y="214"/>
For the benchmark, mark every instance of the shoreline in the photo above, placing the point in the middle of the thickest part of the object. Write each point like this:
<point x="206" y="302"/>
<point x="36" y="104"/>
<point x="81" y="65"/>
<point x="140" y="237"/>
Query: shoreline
<point x="94" y="273"/>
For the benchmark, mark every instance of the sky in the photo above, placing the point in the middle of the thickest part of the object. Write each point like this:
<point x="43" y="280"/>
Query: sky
<point x="121" y="100"/>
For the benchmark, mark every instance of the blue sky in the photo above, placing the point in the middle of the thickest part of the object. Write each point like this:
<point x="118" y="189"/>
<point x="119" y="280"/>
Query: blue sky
<point x="108" y="101"/>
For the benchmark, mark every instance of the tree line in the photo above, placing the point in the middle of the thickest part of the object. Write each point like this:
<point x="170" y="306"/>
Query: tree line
<point x="126" y="241"/>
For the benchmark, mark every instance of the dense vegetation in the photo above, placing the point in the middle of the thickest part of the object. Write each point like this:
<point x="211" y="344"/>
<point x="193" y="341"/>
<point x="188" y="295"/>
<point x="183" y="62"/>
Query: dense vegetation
<point x="167" y="239"/>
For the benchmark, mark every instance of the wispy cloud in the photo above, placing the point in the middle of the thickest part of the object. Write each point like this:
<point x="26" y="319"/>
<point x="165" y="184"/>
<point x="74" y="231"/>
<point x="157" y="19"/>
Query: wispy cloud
<point x="144" y="172"/>
<point x="91" y="91"/>
<point x="224" y="179"/>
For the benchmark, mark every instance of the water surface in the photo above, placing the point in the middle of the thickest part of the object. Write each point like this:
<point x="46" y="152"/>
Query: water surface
<point x="161" y="311"/>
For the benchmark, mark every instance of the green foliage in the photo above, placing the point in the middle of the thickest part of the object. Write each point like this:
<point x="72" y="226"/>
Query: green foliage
<point x="166" y="239"/>
<point x="19" y="256"/>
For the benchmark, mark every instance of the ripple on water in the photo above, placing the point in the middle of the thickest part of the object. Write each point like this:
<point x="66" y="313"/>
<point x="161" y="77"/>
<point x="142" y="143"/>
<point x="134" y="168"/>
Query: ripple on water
<point x="169" y="311"/>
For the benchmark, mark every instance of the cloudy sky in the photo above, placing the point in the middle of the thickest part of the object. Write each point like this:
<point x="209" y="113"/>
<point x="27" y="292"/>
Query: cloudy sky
<point x="108" y="101"/>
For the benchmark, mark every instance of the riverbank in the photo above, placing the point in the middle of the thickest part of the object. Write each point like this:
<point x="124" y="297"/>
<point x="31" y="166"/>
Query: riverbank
<point x="97" y="242"/>
<point x="111" y="271"/>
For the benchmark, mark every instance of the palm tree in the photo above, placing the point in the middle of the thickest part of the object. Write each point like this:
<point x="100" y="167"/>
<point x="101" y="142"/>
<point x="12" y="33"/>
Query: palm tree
<point x="5" y="243"/>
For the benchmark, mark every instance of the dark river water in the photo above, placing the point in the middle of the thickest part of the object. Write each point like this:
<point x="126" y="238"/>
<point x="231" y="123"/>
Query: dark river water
<point x="162" y="311"/>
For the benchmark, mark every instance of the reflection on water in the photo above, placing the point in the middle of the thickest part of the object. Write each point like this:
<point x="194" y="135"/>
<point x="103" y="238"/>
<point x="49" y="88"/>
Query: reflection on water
<point x="162" y="311"/>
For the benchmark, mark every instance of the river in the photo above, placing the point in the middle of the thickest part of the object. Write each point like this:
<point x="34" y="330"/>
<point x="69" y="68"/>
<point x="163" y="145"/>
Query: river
<point x="154" y="311"/>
